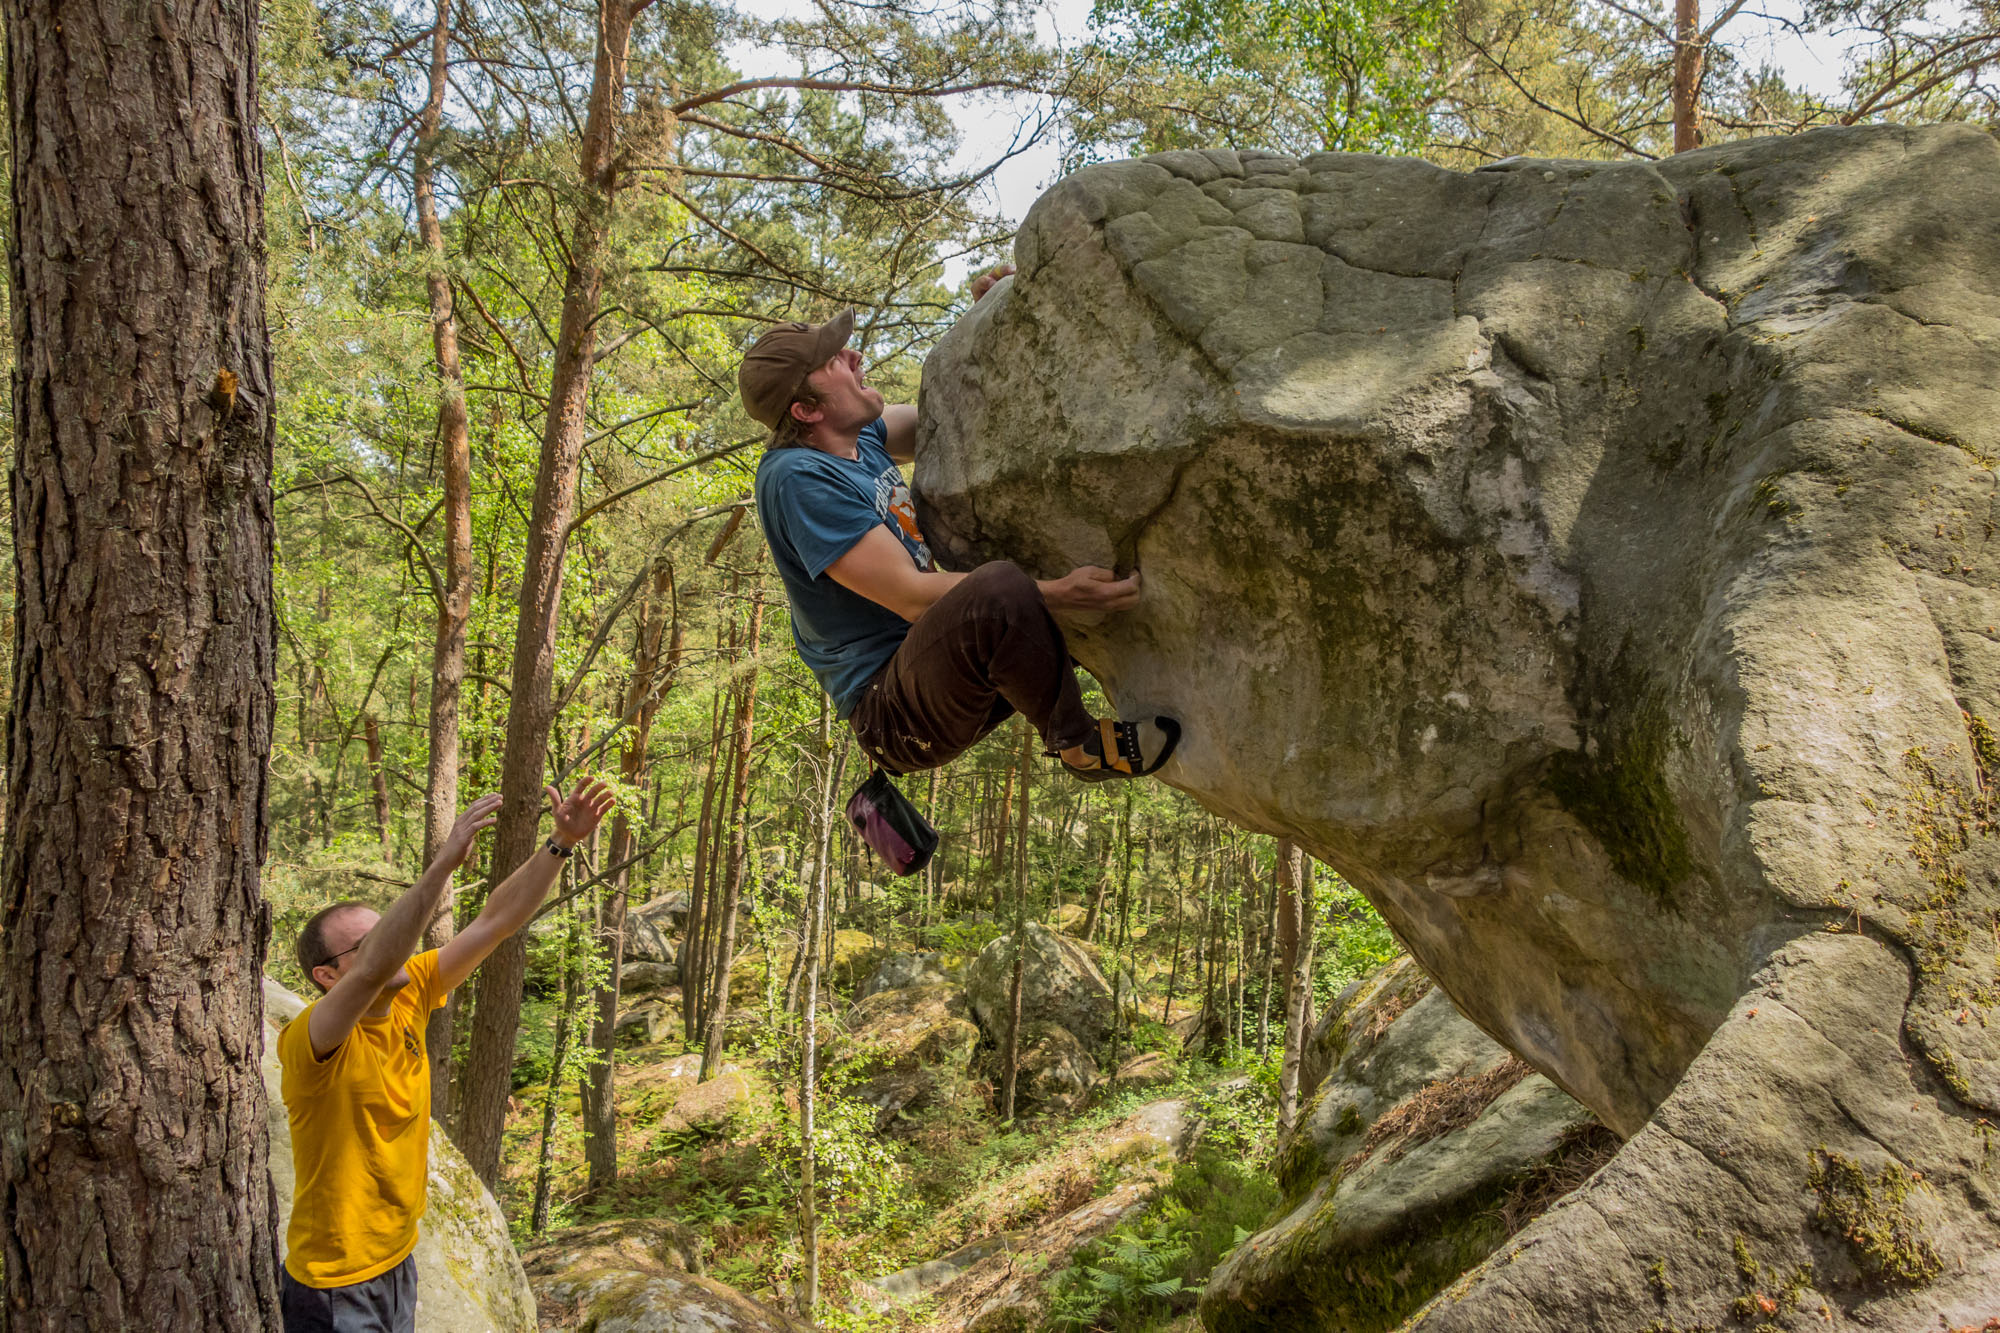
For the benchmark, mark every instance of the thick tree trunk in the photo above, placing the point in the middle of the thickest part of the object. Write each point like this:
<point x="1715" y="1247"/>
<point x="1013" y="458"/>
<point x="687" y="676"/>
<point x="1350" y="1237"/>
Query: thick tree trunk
<point x="739" y="835"/>
<point x="454" y="606"/>
<point x="642" y="702"/>
<point x="530" y="708"/>
<point x="1689" y="50"/>
<point x="133" y="1124"/>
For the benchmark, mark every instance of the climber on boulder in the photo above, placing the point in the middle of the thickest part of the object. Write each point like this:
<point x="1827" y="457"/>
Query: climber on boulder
<point x="919" y="661"/>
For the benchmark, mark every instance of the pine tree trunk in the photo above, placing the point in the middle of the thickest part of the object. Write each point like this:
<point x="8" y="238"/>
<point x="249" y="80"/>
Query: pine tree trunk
<point x="378" y="781"/>
<point x="739" y="834"/>
<point x="538" y="1217"/>
<point x="1291" y="927"/>
<point x="137" y="1187"/>
<point x="693" y="933"/>
<point x="815" y="925"/>
<point x="1688" y="53"/>
<point x="642" y="701"/>
<point x="1010" y="1055"/>
<point x="454" y="604"/>
<point x="497" y="1007"/>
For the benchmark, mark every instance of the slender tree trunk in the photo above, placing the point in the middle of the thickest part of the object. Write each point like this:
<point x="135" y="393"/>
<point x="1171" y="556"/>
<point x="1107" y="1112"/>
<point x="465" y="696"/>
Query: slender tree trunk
<point x="650" y="681"/>
<point x="136" y="1188"/>
<point x="538" y="1217"/>
<point x="378" y="781"/>
<point x="997" y="868"/>
<point x="497" y="1009"/>
<point x="1267" y="918"/>
<point x="1688" y="56"/>
<point x="692" y="934"/>
<point x="739" y="833"/>
<point x="1173" y="972"/>
<point x="1010" y="1055"/>
<point x="1295" y="949"/>
<point x="454" y="603"/>
<point x="830" y="768"/>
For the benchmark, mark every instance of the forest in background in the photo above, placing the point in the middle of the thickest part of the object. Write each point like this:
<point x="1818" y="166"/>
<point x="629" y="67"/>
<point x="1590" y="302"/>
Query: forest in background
<point x="514" y="254"/>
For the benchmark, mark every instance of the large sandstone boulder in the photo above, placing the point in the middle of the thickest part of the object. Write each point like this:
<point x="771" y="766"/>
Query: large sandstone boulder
<point x="631" y="1276"/>
<point x="1423" y="1150"/>
<point x="469" y="1279"/>
<point x="1591" y="562"/>
<point x="1060" y="984"/>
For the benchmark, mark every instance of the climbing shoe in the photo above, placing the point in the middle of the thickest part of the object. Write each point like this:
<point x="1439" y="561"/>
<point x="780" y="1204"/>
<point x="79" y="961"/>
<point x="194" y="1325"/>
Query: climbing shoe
<point x="1127" y="749"/>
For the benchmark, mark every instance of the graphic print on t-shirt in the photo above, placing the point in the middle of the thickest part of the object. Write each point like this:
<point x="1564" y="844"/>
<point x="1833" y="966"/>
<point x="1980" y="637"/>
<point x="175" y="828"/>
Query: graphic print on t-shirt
<point x="892" y="500"/>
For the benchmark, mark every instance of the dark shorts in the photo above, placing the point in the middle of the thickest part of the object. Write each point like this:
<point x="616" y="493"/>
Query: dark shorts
<point x="385" y="1303"/>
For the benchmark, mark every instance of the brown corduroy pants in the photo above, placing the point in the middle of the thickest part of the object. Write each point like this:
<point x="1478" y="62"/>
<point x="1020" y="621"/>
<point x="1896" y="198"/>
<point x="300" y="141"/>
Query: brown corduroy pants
<point x="983" y="652"/>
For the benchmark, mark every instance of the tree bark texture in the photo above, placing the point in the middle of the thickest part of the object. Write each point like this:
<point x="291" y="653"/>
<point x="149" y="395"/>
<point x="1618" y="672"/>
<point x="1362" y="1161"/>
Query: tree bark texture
<point x="133" y="1141"/>
<point x="378" y="782"/>
<point x="1297" y="968"/>
<point x="454" y="600"/>
<point x="1689" y="50"/>
<point x="717" y="1019"/>
<point x="649" y="683"/>
<point x="530" y="709"/>
<point x="1010" y="1051"/>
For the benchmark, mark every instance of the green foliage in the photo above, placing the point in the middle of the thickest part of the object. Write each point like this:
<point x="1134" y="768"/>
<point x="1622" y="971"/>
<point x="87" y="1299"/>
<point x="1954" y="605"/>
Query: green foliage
<point x="1352" y="75"/>
<point x="1152" y="1267"/>
<point x="1350" y="941"/>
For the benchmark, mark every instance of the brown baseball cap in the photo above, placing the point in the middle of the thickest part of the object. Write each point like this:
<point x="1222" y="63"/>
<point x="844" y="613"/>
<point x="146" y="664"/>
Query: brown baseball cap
<point x="776" y="366"/>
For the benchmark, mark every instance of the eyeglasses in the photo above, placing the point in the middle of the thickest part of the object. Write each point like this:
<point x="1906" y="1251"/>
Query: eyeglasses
<point x="328" y="961"/>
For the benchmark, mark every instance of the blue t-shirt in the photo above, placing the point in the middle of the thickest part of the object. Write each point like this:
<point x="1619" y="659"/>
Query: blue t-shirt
<point x="814" y="507"/>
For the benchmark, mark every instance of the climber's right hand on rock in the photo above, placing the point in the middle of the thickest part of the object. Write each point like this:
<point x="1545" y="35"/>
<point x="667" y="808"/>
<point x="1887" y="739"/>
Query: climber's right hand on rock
<point x="1091" y="590"/>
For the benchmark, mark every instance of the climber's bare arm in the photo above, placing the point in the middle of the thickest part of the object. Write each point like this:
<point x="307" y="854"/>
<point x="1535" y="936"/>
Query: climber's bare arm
<point x="901" y="419"/>
<point x="880" y="569"/>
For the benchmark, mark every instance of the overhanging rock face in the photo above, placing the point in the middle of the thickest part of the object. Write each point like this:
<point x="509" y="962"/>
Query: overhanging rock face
<point x="1594" y="562"/>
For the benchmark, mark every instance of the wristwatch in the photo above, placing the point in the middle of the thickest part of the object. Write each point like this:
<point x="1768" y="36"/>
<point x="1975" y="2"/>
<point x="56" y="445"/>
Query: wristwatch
<point x="556" y="849"/>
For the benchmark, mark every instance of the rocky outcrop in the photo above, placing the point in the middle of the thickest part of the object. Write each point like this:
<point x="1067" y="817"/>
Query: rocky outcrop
<point x="631" y="1276"/>
<point x="468" y="1276"/>
<point x="908" y="1046"/>
<point x="1057" y="1071"/>
<point x="1422" y="1151"/>
<point x="1060" y="984"/>
<point x="1593" y="562"/>
<point x="998" y="1282"/>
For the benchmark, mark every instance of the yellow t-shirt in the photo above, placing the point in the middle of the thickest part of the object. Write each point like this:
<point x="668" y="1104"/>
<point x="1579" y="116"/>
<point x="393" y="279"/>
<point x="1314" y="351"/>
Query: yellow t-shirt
<point x="361" y="1125"/>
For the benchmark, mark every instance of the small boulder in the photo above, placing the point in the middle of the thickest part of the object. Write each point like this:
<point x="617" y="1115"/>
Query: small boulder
<point x="641" y="1025"/>
<point x="909" y="1043"/>
<point x="641" y="1244"/>
<point x="646" y="941"/>
<point x="1060" y="984"/>
<point x="643" y="978"/>
<point x="668" y="911"/>
<point x="904" y="969"/>
<point x="708" y="1107"/>
<point x="1148" y="1069"/>
<point x="1057" y="1073"/>
<point x="621" y="1300"/>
